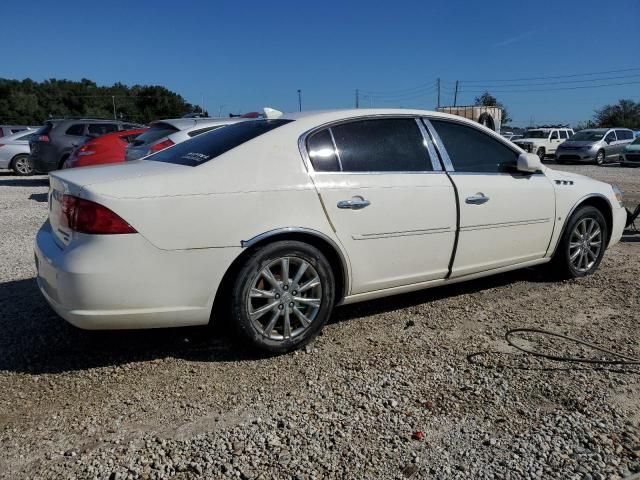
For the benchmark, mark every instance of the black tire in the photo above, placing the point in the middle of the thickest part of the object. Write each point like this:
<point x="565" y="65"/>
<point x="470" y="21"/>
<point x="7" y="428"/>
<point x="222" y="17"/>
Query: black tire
<point x="562" y="264"/>
<point x="600" y="158"/>
<point x="22" y="165"/>
<point x="559" y="161"/>
<point x="541" y="153"/>
<point x="250" y="275"/>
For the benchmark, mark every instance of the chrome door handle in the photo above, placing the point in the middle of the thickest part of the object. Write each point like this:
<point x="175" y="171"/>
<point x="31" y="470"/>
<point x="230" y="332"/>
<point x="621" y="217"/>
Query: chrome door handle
<point x="356" y="203"/>
<point x="477" y="199"/>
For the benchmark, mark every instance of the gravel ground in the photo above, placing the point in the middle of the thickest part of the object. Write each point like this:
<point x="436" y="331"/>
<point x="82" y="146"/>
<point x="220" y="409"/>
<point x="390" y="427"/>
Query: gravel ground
<point x="420" y="385"/>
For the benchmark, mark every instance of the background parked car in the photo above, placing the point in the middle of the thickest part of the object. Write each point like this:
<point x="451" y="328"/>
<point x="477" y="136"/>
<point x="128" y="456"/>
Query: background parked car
<point x="165" y="133"/>
<point x="7" y="130"/>
<point x="56" y="139"/>
<point x="598" y="145"/>
<point x="14" y="152"/>
<point x="109" y="148"/>
<point x="543" y="141"/>
<point x="631" y="155"/>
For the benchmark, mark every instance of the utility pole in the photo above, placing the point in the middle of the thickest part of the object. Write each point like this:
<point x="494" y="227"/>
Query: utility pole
<point x="357" y="98"/>
<point x="438" y="92"/>
<point x="113" y="100"/>
<point x="202" y="104"/>
<point x="455" y="95"/>
<point x="299" y="100"/>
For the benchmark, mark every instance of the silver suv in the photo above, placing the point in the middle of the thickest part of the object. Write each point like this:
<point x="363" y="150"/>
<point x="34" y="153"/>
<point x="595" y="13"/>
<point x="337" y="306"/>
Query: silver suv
<point x="599" y="145"/>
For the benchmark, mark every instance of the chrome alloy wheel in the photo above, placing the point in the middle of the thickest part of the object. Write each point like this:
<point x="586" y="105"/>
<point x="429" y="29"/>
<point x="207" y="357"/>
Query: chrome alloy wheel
<point x="23" y="165"/>
<point x="284" y="298"/>
<point x="585" y="244"/>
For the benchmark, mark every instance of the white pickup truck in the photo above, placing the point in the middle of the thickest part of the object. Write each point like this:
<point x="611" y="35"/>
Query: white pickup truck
<point x="543" y="141"/>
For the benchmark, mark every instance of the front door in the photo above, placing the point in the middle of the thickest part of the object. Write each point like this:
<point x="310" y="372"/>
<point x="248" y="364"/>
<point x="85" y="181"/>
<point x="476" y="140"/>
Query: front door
<point x="389" y="204"/>
<point x="506" y="217"/>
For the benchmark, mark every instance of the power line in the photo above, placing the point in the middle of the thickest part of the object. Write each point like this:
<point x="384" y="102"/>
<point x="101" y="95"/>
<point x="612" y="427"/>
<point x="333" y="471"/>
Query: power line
<point x="635" y="69"/>
<point x="619" y="77"/>
<point x="554" y="89"/>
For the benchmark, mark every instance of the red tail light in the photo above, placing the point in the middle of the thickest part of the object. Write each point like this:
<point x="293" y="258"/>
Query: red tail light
<point x="85" y="216"/>
<point x="160" y="146"/>
<point x="86" y="149"/>
<point x="43" y="138"/>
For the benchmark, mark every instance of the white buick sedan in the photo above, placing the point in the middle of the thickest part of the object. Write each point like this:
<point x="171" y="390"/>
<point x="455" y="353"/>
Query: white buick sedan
<point x="271" y="223"/>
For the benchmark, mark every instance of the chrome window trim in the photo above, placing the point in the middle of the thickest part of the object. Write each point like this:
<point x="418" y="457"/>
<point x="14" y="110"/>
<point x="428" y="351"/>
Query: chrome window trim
<point x="335" y="148"/>
<point x="302" y="144"/>
<point x="433" y="155"/>
<point x="448" y="166"/>
<point x="278" y="231"/>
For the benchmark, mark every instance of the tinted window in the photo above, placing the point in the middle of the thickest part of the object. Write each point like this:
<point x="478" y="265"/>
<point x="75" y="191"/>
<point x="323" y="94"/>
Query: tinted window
<point x="76" y="130"/>
<point x="471" y="150"/>
<point x="208" y="146"/>
<point x="156" y="132"/>
<point x="385" y="145"/>
<point x="194" y="133"/>
<point x="611" y="137"/>
<point x="554" y="135"/>
<point x="624" y="134"/>
<point x="102" y="128"/>
<point x="27" y="137"/>
<point x="16" y="130"/>
<point x="563" y="134"/>
<point x="321" y="152"/>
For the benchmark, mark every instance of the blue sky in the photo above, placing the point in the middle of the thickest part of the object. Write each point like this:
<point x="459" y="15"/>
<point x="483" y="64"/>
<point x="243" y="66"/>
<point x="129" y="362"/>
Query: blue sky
<point x="242" y="55"/>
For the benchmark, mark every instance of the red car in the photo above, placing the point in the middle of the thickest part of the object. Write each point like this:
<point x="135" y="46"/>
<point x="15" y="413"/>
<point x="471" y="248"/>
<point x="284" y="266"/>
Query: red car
<point x="107" y="148"/>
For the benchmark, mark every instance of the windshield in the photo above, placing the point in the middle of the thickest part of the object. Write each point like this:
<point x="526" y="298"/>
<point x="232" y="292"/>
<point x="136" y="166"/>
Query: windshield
<point x="536" y="134"/>
<point x="209" y="145"/>
<point x="588" y="135"/>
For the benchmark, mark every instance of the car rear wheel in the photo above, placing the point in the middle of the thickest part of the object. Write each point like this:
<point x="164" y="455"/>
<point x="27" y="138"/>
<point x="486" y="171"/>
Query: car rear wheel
<point x="283" y="296"/>
<point x="582" y="244"/>
<point x="22" y="165"/>
<point x="600" y="158"/>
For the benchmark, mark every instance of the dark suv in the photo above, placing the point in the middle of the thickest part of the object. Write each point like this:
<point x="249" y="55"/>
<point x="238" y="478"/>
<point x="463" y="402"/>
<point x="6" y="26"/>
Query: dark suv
<point x="52" y="144"/>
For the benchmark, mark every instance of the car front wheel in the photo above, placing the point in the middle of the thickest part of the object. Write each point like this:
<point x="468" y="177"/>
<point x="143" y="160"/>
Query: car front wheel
<point x="582" y="244"/>
<point x="283" y="296"/>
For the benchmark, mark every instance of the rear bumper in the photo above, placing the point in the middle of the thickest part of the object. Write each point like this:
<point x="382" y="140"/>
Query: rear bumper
<point x="123" y="282"/>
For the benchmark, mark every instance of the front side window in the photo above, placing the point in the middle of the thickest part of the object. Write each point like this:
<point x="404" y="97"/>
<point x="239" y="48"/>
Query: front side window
<point x="77" y="130"/>
<point x="471" y="150"/>
<point x="611" y="137"/>
<point x="554" y="135"/>
<point x="381" y="145"/>
<point x="206" y="147"/>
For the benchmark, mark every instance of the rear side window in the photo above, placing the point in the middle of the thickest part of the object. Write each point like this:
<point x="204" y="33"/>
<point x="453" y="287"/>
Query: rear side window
<point x="76" y="130"/>
<point x="471" y="150"/>
<point x="208" y="146"/>
<point x="563" y="134"/>
<point x="381" y="145"/>
<point x="102" y="128"/>
<point x="155" y="133"/>
<point x="195" y="133"/>
<point x="27" y="137"/>
<point x="322" y="153"/>
<point x="624" y="134"/>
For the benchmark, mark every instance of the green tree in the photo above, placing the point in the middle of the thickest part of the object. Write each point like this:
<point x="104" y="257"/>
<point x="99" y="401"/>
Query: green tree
<point x="625" y="113"/>
<point x="488" y="100"/>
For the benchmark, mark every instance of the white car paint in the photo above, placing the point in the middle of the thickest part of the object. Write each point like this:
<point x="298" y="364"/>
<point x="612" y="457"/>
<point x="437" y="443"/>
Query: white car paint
<point x="14" y="145"/>
<point x="194" y="222"/>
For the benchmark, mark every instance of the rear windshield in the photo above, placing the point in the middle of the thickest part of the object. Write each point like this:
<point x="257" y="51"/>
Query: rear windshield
<point x="209" y="145"/>
<point x="156" y="132"/>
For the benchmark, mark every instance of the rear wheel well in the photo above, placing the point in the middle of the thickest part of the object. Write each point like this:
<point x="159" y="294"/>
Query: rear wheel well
<point x="63" y="159"/>
<point x="15" y="157"/>
<point x="220" y="308"/>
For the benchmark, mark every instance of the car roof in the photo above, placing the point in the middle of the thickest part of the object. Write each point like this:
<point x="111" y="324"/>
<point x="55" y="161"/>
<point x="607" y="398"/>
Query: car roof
<point x="187" y="123"/>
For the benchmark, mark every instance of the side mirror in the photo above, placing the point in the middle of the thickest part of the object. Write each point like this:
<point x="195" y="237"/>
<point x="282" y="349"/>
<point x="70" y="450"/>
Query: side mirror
<point x="529" y="163"/>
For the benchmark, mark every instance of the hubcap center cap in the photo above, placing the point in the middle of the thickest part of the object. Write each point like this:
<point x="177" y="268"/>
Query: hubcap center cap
<point x="286" y="298"/>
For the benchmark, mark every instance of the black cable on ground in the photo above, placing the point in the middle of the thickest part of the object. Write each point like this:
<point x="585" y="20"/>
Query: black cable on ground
<point x="624" y="360"/>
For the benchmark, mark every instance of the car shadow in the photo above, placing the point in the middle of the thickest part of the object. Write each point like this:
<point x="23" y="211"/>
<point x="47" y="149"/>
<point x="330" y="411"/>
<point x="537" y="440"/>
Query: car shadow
<point x="13" y="181"/>
<point x="35" y="340"/>
<point x="39" y="197"/>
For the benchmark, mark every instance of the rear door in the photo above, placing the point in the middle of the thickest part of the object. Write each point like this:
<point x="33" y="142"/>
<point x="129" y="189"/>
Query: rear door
<point x="388" y="200"/>
<point x="506" y="217"/>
